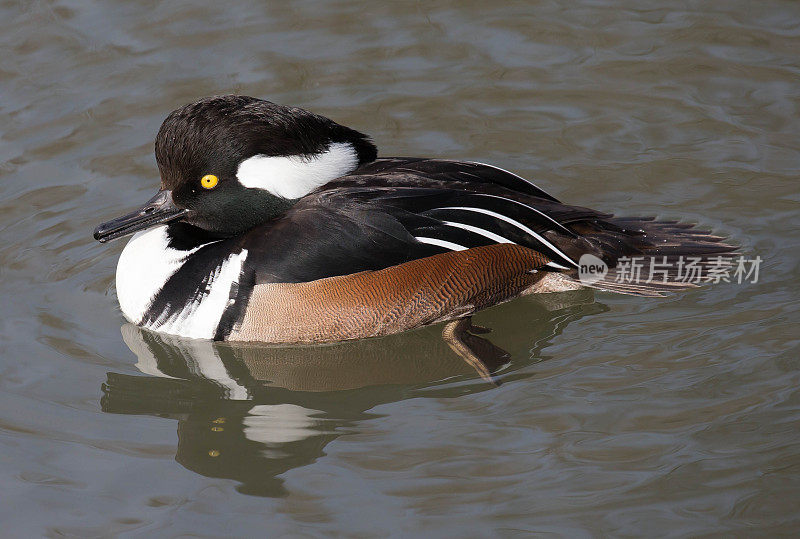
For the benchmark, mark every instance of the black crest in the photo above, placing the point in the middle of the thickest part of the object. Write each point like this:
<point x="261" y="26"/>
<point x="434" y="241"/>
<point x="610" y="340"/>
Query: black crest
<point x="217" y="133"/>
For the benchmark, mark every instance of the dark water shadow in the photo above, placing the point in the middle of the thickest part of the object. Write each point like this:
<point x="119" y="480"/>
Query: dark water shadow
<point x="251" y="413"/>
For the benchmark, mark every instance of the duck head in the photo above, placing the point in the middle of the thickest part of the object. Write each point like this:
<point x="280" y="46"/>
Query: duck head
<point x="229" y="163"/>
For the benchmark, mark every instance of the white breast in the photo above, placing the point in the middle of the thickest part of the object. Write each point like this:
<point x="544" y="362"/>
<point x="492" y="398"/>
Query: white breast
<point x="145" y="266"/>
<point x="146" y="263"/>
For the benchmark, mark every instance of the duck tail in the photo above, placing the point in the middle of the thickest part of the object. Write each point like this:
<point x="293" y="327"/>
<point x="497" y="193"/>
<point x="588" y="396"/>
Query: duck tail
<point x="644" y="256"/>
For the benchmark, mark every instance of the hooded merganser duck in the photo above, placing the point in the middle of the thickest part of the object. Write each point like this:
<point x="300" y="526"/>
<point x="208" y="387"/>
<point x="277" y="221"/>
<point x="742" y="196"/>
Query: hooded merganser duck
<point x="274" y="224"/>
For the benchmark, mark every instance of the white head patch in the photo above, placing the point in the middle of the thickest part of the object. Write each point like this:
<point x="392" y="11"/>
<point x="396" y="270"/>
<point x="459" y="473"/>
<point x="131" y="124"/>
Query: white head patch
<point x="295" y="176"/>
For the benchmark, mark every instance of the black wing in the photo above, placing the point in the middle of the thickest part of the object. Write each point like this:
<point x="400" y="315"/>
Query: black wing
<point x="399" y="209"/>
<point x="418" y="172"/>
<point x="345" y="230"/>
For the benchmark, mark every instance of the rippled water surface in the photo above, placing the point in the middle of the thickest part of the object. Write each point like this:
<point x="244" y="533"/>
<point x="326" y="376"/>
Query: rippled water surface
<point x="617" y="415"/>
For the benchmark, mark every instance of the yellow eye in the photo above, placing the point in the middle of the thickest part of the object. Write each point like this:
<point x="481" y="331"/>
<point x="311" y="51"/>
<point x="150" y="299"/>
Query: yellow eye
<point x="209" y="181"/>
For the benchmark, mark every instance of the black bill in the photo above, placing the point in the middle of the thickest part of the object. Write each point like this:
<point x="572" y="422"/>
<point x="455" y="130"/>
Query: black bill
<point x="159" y="209"/>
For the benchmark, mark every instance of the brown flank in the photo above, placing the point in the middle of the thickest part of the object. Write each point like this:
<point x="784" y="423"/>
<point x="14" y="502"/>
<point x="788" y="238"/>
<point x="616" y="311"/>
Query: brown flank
<point x="373" y="303"/>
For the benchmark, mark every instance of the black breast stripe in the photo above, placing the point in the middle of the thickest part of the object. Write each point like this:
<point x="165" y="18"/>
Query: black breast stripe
<point x="237" y="302"/>
<point x="189" y="283"/>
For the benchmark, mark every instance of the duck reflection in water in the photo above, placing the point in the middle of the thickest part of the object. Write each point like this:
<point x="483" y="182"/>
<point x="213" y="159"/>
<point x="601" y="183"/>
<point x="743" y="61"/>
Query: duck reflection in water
<point x="251" y="413"/>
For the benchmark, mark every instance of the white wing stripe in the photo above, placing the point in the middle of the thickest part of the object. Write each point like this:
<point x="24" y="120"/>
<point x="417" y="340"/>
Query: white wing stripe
<point x="476" y="230"/>
<point x="497" y="238"/>
<point x="512" y="174"/>
<point x="441" y="243"/>
<point x="559" y="225"/>
<point x="518" y="225"/>
<point x="480" y="231"/>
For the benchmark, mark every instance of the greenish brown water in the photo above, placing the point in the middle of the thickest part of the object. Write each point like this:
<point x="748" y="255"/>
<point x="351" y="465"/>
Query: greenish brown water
<point x="617" y="416"/>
